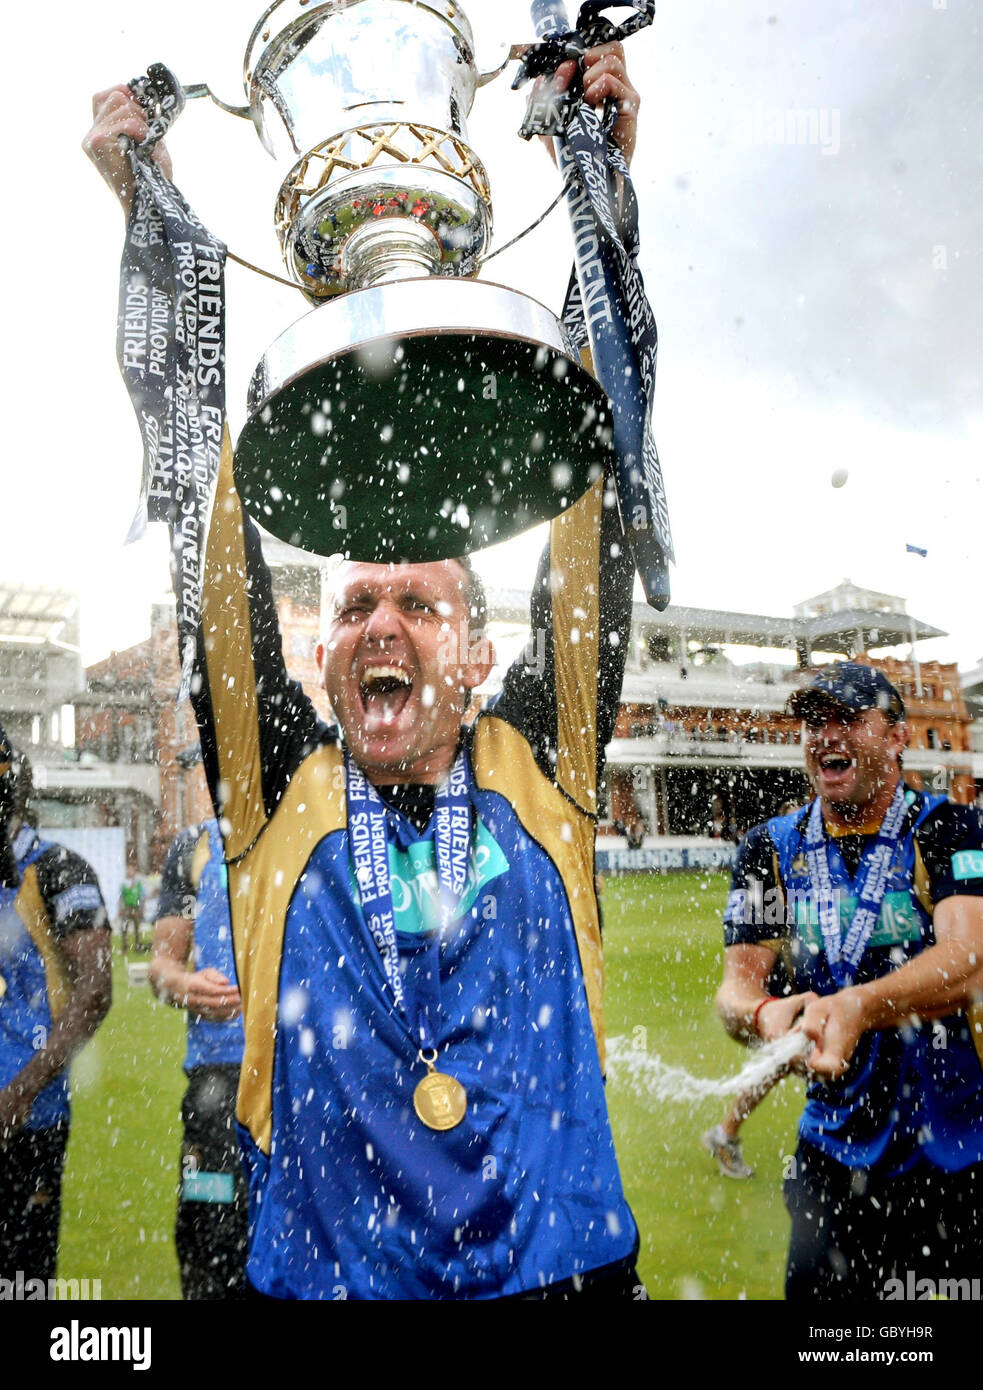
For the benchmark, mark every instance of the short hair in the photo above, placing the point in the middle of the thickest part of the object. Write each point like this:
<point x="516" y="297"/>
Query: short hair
<point x="475" y="598"/>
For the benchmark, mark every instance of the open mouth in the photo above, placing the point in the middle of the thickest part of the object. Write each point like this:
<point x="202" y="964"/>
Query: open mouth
<point x="835" y="763"/>
<point x="384" y="690"/>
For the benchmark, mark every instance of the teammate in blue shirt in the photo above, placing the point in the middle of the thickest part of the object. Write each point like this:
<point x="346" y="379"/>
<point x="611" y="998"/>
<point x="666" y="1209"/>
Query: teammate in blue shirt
<point x="413" y="905"/>
<point x="55" y="990"/>
<point x="873" y="894"/>
<point x="193" y="969"/>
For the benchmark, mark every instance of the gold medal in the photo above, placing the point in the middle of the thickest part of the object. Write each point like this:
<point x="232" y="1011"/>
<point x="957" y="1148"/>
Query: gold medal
<point x="440" y="1100"/>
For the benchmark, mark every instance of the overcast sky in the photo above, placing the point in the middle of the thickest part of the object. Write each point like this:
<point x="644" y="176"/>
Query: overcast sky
<point x="810" y="184"/>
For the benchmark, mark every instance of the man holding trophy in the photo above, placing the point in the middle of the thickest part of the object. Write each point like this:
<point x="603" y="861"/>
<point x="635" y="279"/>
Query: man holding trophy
<point x="421" y="1105"/>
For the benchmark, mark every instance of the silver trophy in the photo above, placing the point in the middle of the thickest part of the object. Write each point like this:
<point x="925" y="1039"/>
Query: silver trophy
<point x="416" y="412"/>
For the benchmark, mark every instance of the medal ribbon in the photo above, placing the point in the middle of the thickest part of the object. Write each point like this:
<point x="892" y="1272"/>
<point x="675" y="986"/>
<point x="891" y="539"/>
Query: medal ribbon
<point x="368" y="832"/>
<point x="844" y="954"/>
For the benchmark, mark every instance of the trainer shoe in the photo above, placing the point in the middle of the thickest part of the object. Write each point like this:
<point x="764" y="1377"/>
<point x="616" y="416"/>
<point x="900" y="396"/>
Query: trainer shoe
<point x="727" y="1152"/>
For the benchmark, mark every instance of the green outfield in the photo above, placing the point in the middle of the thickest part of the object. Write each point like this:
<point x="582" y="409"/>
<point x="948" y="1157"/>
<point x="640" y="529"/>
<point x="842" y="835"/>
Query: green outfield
<point x="703" y="1236"/>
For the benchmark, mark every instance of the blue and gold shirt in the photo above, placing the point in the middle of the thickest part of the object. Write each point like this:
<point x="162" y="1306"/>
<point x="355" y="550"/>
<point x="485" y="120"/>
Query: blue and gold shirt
<point x="58" y="893"/>
<point x="351" y="1195"/>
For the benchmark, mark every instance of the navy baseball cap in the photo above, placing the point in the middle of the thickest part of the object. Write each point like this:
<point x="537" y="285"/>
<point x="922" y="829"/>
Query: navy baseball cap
<point x="847" y="685"/>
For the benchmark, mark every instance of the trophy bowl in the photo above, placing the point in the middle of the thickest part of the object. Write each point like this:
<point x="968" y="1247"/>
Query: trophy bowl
<point x="416" y="412"/>
<point x="462" y="416"/>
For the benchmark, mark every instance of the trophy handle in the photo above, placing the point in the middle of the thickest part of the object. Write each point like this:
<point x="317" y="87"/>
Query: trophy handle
<point x="162" y="97"/>
<point x="516" y="51"/>
<point x="202" y="89"/>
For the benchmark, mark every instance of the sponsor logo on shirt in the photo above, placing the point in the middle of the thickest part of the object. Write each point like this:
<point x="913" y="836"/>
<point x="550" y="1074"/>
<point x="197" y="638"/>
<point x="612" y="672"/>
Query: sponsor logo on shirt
<point x="968" y="863"/>
<point x="416" y="887"/>
<point x="899" y="919"/>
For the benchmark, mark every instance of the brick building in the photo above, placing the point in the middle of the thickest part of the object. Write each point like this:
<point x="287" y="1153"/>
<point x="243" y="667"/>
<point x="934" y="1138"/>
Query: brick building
<point x="703" y="745"/>
<point x="40" y="666"/>
<point x="127" y="714"/>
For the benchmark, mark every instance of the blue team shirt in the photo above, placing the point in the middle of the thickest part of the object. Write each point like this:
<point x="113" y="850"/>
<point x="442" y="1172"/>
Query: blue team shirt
<point x="349" y="1191"/>
<point x="912" y="1094"/>
<point x="209" y="1043"/>
<point x="357" y="1194"/>
<point x="31" y="975"/>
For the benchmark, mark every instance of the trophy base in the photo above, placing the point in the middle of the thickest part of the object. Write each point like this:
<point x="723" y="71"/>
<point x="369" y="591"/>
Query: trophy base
<point x="419" y="420"/>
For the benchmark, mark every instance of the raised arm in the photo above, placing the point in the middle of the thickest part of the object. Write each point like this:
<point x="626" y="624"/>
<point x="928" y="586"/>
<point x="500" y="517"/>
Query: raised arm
<point x="255" y="723"/>
<point x="606" y="79"/>
<point x="563" y="692"/>
<point x="115" y="113"/>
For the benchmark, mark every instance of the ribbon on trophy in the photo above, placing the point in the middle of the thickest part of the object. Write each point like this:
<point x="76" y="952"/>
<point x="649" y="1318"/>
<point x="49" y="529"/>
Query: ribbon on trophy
<point x="606" y="306"/>
<point x="171" y="352"/>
